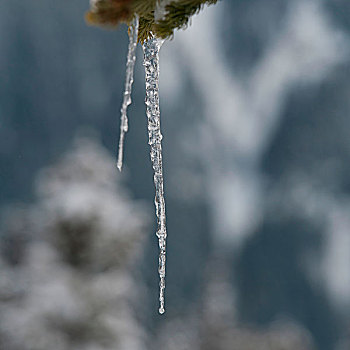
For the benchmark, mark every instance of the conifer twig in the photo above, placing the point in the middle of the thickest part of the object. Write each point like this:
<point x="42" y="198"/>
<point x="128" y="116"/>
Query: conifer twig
<point x="110" y="13"/>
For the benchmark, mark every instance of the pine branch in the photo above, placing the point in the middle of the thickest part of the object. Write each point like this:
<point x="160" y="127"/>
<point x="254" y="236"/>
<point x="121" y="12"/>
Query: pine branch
<point x="110" y="13"/>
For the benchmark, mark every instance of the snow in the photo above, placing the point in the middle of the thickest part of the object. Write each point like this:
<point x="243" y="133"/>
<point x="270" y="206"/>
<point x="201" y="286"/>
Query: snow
<point x="51" y="301"/>
<point x="241" y="116"/>
<point x="160" y="11"/>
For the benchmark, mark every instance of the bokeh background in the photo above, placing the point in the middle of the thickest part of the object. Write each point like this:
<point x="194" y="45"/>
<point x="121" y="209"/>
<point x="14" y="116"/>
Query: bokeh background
<point x="255" y="117"/>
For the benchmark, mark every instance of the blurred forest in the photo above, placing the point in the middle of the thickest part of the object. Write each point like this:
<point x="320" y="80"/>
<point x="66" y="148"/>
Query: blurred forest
<point x="255" y="117"/>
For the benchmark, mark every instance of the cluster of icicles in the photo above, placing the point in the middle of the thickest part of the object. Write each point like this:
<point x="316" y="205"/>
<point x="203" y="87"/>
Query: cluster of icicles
<point x="151" y="49"/>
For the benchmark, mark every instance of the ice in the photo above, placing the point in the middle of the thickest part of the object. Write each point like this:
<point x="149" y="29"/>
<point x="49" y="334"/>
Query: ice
<point x="130" y="64"/>
<point x="151" y="49"/>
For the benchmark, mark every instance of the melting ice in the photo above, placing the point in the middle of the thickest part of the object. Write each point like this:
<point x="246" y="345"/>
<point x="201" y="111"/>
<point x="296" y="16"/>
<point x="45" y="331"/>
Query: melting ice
<point x="130" y="65"/>
<point x="151" y="49"/>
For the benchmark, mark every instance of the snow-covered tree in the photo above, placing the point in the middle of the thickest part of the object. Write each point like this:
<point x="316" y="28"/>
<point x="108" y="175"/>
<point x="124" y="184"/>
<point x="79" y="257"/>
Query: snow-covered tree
<point x="72" y="286"/>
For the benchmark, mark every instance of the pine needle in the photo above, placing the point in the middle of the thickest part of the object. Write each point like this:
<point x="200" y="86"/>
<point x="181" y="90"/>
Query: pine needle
<point x="110" y="13"/>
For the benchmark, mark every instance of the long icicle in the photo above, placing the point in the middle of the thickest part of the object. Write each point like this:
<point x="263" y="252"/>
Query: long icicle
<point x="129" y="79"/>
<point x="151" y="49"/>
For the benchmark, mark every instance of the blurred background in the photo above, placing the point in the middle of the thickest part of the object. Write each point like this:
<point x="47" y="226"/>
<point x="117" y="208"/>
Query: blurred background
<point x="255" y="117"/>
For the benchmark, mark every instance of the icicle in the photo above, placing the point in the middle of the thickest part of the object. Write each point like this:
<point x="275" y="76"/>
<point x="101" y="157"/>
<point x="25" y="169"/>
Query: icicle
<point x="151" y="49"/>
<point x="130" y="64"/>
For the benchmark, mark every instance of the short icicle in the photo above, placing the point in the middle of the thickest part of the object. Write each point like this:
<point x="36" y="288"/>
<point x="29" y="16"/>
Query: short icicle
<point x="129" y="79"/>
<point x="151" y="49"/>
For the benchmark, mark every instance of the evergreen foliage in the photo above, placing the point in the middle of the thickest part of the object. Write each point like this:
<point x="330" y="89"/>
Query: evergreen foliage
<point x="66" y="280"/>
<point x="110" y="13"/>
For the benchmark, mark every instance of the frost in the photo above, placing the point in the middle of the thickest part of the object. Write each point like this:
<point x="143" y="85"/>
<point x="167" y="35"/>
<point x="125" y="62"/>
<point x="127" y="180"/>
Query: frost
<point x="151" y="49"/>
<point x="160" y="11"/>
<point x="129" y="79"/>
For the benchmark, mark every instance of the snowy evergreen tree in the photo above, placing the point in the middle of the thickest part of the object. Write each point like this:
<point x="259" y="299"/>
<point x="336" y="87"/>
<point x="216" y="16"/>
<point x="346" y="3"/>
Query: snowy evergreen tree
<point x="72" y="286"/>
